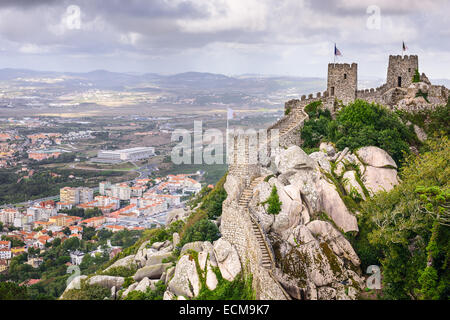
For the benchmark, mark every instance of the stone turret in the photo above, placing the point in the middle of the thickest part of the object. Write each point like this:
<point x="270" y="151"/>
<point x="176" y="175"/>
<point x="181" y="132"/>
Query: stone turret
<point x="401" y="70"/>
<point x="342" y="81"/>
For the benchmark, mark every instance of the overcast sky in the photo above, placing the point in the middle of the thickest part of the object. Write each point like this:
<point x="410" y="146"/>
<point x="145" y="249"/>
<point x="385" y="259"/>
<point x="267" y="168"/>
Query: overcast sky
<point x="283" y="37"/>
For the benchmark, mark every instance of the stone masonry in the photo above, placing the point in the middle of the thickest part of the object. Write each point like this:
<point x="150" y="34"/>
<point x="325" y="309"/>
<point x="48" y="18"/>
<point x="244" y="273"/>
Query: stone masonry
<point x="237" y="225"/>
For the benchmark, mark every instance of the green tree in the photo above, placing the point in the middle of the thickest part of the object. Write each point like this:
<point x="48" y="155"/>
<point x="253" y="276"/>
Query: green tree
<point x="104" y="234"/>
<point x="66" y="231"/>
<point x="12" y="291"/>
<point x="357" y="125"/>
<point x="403" y="226"/>
<point x="203" y="230"/>
<point x="212" y="202"/>
<point x="71" y="244"/>
<point x="273" y="201"/>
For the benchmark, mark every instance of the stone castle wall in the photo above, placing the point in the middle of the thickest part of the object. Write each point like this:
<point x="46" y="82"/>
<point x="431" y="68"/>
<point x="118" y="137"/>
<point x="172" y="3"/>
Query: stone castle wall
<point x="240" y="153"/>
<point x="236" y="224"/>
<point x="236" y="227"/>
<point x="343" y="81"/>
<point x="403" y="67"/>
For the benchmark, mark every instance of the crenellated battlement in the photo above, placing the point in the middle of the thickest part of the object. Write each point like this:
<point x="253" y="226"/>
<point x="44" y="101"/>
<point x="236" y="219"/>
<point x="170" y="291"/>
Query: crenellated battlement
<point x="343" y="66"/>
<point x="311" y="96"/>
<point x="399" y="58"/>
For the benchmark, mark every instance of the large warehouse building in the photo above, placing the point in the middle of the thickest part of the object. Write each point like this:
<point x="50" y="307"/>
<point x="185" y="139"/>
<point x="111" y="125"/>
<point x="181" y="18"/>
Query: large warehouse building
<point x="133" y="154"/>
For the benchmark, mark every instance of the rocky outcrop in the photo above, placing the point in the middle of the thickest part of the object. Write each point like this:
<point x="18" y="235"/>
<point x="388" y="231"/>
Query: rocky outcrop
<point x="144" y="284"/>
<point x="106" y="281"/>
<point x="152" y="272"/>
<point x="351" y="184"/>
<point x="127" y="262"/>
<point x="186" y="278"/>
<point x="316" y="260"/>
<point x="379" y="179"/>
<point x="376" y="157"/>
<point x="227" y="259"/>
<point x="332" y="203"/>
<point x="292" y="158"/>
<point x="74" y="284"/>
<point x="186" y="281"/>
<point x="177" y="215"/>
<point x="313" y="259"/>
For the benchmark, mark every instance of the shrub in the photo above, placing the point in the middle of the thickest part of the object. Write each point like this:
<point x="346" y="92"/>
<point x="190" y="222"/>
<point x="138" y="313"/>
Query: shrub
<point x="357" y="125"/>
<point x="416" y="77"/>
<point x="203" y="230"/>
<point x="312" y="108"/>
<point x="12" y="291"/>
<point x="121" y="271"/>
<point x="150" y="294"/>
<point x="400" y="228"/>
<point x="273" y="201"/>
<point x="212" y="202"/>
<point x="87" y="292"/>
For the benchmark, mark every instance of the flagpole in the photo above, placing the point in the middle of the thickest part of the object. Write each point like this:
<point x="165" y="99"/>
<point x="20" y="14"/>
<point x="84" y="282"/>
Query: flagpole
<point x="334" y="53"/>
<point x="227" y="142"/>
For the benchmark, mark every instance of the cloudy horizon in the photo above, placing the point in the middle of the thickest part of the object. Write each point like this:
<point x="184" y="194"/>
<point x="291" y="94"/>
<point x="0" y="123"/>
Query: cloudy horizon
<point x="283" y="37"/>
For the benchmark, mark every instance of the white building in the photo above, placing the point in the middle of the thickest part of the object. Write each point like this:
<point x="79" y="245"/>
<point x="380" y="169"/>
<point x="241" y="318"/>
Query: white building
<point x="132" y="154"/>
<point x="103" y="186"/>
<point x="38" y="212"/>
<point x="8" y="215"/>
<point x="121" y="191"/>
<point x="85" y="194"/>
<point x="5" y="254"/>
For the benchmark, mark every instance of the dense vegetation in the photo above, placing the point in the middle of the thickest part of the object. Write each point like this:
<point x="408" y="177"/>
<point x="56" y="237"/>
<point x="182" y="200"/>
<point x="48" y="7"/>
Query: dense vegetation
<point x="150" y="294"/>
<point x="432" y="121"/>
<point x="83" y="213"/>
<point x="203" y="230"/>
<point x="53" y="271"/>
<point x="11" y="291"/>
<point x="87" y="292"/>
<point x="406" y="230"/>
<point x="357" y="125"/>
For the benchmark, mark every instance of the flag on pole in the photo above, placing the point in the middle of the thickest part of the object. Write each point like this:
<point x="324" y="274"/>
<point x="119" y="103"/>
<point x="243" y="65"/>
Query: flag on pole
<point x="404" y="46"/>
<point x="337" y="52"/>
<point x="230" y="114"/>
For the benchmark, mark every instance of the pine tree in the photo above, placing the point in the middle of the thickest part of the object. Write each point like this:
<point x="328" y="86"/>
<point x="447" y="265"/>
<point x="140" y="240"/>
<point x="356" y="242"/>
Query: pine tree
<point x="274" y="202"/>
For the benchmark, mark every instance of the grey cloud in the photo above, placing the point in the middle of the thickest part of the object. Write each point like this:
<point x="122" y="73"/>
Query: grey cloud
<point x="153" y="28"/>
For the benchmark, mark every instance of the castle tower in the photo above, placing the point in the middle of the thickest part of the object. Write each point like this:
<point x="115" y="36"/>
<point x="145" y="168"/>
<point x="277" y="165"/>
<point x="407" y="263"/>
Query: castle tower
<point x="342" y="81"/>
<point x="401" y="71"/>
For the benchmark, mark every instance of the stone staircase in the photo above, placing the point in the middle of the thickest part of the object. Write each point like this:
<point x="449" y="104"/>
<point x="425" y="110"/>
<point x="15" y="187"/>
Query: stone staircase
<point x="267" y="261"/>
<point x="267" y="256"/>
<point x="247" y="194"/>
<point x="297" y="115"/>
